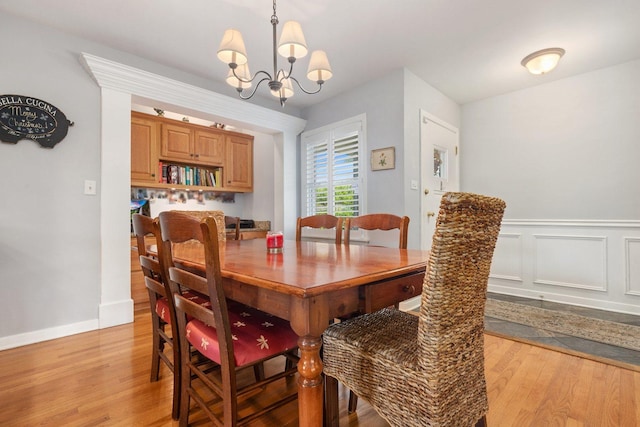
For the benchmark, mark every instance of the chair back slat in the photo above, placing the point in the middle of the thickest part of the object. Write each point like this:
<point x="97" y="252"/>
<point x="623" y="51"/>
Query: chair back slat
<point x="189" y="280"/>
<point x="151" y="267"/>
<point x="379" y="221"/>
<point x="320" y="221"/>
<point x="196" y="311"/>
<point x="155" y="286"/>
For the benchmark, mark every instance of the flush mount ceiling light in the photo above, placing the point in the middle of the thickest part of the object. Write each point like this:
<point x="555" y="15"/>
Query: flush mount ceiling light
<point x="292" y="46"/>
<point x="543" y="61"/>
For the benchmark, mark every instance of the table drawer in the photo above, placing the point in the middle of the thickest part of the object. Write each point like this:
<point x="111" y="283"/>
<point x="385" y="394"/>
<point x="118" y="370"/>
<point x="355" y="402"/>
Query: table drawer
<point x="380" y="295"/>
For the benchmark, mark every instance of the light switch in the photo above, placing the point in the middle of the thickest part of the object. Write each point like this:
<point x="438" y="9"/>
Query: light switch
<point x="89" y="187"/>
<point x="414" y="184"/>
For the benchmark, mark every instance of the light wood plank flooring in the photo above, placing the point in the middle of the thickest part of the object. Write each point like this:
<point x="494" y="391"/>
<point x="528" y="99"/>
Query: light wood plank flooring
<point x="102" y="378"/>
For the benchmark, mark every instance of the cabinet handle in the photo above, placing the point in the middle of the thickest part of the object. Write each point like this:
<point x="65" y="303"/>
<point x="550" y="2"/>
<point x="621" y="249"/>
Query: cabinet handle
<point x="197" y="155"/>
<point x="411" y="289"/>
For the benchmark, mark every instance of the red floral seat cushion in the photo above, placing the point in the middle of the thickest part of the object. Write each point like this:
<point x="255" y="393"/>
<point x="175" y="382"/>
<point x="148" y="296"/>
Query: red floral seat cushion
<point x="162" y="307"/>
<point x="256" y="335"/>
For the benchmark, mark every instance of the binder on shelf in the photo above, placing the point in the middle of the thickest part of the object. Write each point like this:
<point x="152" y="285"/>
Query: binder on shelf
<point x="164" y="175"/>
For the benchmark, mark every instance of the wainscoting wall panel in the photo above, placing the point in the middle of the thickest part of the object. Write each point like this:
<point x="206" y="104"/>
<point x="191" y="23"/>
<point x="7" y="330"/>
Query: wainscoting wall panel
<point x="571" y="261"/>
<point x="587" y="263"/>
<point x="632" y="258"/>
<point x="507" y="257"/>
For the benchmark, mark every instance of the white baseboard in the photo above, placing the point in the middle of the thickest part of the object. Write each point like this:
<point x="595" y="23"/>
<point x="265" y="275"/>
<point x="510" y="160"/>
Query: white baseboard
<point x="410" y="304"/>
<point x="116" y="313"/>
<point x="33" y="337"/>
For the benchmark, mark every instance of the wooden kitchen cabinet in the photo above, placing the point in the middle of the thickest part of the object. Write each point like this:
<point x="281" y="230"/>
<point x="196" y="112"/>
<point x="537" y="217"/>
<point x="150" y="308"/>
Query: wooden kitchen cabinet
<point x="210" y="147"/>
<point x="238" y="172"/>
<point x="185" y="143"/>
<point x="158" y="142"/>
<point x="177" y="143"/>
<point x="144" y="149"/>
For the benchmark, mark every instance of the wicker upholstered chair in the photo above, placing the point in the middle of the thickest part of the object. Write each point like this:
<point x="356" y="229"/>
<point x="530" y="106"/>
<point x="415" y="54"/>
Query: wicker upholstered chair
<point x="320" y="221"/>
<point x="376" y="221"/>
<point x="217" y="215"/>
<point x="431" y="374"/>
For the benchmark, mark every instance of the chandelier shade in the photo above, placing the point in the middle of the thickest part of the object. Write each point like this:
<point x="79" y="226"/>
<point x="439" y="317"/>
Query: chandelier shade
<point x="542" y="61"/>
<point x="232" y="50"/>
<point x="285" y="91"/>
<point x="292" y="42"/>
<point x="319" y="69"/>
<point x="292" y="46"/>
<point x="243" y="79"/>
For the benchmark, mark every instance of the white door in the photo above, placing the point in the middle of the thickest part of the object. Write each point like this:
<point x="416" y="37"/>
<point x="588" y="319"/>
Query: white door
<point x="439" y="170"/>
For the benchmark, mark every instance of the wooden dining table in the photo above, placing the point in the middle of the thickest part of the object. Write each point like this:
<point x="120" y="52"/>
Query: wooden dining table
<point x="309" y="284"/>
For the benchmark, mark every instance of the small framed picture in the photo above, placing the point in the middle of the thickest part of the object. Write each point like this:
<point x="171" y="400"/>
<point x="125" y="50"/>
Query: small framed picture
<point x="384" y="158"/>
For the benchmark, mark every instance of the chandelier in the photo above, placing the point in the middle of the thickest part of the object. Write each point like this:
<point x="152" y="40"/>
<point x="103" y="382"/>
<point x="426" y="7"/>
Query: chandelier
<point x="292" y="46"/>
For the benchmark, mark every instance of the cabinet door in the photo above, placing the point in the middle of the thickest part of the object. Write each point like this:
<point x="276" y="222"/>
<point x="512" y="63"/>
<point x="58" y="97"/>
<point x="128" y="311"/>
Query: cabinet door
<point x="238" y="171"/>
<point x="144" y="150"/>
<point x="209" y="147"/>
<point x="177" y="142"/>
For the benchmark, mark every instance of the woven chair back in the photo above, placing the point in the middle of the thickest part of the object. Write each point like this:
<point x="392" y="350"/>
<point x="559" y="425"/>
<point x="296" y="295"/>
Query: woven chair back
<point x="451" y="321"/>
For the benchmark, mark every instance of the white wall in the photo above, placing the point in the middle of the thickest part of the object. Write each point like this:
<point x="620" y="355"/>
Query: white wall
<point x="419" y="95"/>
<point x="392" y="105"/>
<point x="562" y="150"/>
<point x="381" y="101"/>
<point x="563" y="156"/>
<point x="54" y="240"/>
<point x="49" y="230"/>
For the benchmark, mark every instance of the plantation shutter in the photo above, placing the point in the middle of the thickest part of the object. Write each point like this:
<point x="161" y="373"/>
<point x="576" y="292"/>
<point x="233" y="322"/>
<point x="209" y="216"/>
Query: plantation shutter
<point x="331" y="165"/>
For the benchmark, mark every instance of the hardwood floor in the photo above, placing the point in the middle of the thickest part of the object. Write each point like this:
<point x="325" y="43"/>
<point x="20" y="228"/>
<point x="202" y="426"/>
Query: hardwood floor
<point x="102" y="378"/>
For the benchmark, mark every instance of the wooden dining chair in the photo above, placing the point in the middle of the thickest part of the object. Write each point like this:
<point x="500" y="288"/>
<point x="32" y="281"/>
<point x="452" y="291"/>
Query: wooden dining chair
<point x="233" y="222"/>
<point x="225" y="337"/>
<point x="426" y="369"/>
<point x="320" y="221"/>
<point x="144" y="227"/>
<point x="378" y="221"/>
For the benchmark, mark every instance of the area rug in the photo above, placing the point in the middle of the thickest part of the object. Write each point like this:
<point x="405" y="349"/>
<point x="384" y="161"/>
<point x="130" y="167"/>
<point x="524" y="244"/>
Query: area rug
<point x="604" y="331"/>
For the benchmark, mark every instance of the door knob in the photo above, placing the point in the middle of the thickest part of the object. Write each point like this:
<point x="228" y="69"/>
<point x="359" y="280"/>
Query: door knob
<point x="426" y="191"/>
<point x="430" y="214"/>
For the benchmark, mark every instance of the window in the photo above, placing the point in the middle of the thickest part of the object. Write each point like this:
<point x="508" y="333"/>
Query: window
<point x="332" y="178"/>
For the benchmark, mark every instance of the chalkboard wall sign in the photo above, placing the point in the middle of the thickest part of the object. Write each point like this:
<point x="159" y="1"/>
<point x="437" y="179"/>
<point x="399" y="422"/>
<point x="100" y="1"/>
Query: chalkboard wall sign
<point x="26" y="117"/>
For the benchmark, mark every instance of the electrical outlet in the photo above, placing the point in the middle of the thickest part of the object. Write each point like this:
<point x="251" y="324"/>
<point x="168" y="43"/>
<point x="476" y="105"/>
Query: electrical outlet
<point x="89" y="187"/>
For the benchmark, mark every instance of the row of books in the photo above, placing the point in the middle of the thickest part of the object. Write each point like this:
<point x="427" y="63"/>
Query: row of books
<point x="189" y="175"/>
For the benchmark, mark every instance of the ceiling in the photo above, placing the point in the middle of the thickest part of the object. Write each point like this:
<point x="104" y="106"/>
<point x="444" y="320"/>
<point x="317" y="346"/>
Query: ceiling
<point x="467" y="49"/>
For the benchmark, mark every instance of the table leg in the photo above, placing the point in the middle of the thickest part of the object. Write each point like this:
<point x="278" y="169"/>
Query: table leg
<point x="310" y="389"/>
<point x="309" y="319"/>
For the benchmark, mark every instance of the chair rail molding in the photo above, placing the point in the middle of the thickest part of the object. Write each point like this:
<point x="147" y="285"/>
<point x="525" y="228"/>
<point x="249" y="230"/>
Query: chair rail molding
<point x="590" y="263"/>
